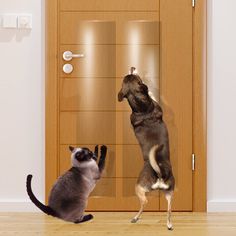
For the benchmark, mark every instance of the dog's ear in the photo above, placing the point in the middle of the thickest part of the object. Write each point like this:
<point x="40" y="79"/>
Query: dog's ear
<point x="120" y="96"/>
<point x="123" y="93"/>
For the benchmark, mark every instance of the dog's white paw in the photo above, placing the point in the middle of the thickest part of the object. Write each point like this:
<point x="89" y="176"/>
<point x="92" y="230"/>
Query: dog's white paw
<point x="155" y="186"/>
<point x="163" y="185"/>
<point x="160" y="185"/>
<point x="169" y="226"/>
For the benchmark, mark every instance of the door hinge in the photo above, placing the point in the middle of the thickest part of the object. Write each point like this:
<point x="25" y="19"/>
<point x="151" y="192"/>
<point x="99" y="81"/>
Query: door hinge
<point x="193" y="3"/>
<point x="193" y="162"/>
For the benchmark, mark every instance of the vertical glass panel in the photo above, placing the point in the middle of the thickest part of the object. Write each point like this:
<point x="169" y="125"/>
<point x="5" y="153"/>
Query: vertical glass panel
<point x="142" y="50"/>
<point x="141" y="32"/>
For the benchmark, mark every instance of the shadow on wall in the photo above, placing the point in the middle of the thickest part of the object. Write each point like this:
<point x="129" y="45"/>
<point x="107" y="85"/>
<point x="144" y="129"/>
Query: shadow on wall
<point x="8" y="35"/>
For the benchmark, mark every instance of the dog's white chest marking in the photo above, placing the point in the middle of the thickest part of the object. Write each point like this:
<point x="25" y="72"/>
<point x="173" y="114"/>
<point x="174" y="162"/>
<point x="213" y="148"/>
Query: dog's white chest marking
<point x="160" y="184"/>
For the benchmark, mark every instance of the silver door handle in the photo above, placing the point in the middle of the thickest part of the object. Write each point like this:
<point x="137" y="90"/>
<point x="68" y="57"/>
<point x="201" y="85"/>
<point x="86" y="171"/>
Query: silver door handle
<point x="68" y="55"/>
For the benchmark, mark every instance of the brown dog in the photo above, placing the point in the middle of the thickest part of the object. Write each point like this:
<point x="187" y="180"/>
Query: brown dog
<point x="152" y="135"/>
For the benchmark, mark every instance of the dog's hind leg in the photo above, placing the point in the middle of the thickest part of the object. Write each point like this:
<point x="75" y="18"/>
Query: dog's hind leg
<point x="141" y="193"/>
<point x="169" y="196"/>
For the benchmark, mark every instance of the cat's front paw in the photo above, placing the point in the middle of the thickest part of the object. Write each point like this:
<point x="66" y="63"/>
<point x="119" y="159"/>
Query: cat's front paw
<point x="103" y="150"/>
<point x="96" y="150"/>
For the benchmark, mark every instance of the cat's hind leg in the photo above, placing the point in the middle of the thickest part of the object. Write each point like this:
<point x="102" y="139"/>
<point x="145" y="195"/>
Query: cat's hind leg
<point x="77" y="214"/>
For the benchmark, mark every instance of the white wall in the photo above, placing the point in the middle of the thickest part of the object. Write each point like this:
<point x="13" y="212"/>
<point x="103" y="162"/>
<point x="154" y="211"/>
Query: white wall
<point x="221" y="105"/>
<point x="22" y="107"/>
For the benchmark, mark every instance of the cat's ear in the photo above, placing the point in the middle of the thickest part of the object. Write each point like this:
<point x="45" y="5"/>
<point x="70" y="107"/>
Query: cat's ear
<point x="71" y="148"/>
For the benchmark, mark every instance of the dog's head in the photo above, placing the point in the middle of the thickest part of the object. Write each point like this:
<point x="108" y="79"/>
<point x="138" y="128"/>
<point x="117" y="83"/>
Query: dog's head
<point x="132" y="84"/>
<point x="135" y="91"/>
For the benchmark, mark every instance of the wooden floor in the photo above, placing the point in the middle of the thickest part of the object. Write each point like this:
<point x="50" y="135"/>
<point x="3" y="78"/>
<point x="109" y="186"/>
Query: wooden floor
<point x="108" y="223"/>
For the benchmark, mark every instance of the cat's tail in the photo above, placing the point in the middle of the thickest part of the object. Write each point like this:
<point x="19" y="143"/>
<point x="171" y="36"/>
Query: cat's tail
<point x="153" y="158"/>
<point x="46" y="209"/>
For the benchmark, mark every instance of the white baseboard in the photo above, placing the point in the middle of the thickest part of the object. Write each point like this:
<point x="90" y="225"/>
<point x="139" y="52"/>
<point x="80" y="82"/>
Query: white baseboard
<point x="15" y="206"/>
<point x="221" y="206"/>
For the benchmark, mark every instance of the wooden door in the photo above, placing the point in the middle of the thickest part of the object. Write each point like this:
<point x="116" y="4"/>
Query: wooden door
<point x="155" y="36"/>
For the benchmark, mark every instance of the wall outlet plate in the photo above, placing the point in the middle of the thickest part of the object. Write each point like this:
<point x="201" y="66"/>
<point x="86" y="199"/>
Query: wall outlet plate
<point x="25" y="21"/>
<point x="9" y="21"/>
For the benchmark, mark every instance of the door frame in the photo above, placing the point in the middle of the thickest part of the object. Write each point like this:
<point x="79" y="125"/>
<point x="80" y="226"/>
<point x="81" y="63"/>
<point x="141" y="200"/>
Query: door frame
<point x="199" y="100"/>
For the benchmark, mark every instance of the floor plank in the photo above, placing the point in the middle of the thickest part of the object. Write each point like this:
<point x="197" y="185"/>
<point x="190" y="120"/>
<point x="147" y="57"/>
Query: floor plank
<point x="118" y="223"/>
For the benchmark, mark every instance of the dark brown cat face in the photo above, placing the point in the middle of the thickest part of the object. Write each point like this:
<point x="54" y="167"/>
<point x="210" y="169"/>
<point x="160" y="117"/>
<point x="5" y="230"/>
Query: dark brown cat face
<point x="81" y="155"/>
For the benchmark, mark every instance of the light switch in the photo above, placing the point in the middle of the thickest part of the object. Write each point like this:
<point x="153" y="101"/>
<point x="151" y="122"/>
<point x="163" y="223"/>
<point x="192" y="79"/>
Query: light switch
<point x="9" y="21"/>
<point x="25" y="21"/>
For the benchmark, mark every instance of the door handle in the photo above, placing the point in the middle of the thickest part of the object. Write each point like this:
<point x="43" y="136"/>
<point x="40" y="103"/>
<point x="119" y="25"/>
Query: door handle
<point x="68" y="55"/>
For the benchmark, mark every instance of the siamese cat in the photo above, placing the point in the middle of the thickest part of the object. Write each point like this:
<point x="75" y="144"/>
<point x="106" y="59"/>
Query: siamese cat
<point x="69" y="195"/>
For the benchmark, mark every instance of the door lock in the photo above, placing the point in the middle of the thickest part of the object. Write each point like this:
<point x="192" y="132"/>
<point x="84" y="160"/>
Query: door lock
<point x="67" y="68"/>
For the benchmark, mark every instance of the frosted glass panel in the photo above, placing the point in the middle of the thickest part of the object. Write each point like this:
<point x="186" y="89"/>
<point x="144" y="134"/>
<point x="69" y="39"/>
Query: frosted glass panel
<point x="90" y="112"/>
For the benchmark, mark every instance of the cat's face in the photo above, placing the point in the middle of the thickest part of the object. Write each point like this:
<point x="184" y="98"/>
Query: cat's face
<point x="82" y="157"/>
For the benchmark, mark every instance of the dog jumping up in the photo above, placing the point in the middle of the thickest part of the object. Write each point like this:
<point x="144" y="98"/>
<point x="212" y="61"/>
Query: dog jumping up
<point x="152" y="135"/>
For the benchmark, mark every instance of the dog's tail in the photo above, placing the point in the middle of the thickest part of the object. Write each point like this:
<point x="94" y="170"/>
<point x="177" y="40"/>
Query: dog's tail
<point x="153" y="158"/>
<point x="46" y="209"/>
